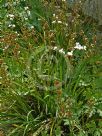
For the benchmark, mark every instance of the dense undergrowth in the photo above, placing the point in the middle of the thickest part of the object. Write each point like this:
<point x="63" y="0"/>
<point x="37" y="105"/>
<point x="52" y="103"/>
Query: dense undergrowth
<point x="50" y="70"/>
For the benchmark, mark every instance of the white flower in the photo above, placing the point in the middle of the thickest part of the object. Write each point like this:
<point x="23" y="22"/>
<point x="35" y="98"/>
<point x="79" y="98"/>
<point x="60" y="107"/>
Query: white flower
<point x="17" y="33"/>
<point x="79" y="46"/>
<point x="11" y="25"/>
<point x="70" y="53"/>
<point x="32" y="27"/>
<point x="26" y="18"/>
<point x="66" y="24"/>
<point x="55" y="48"/>
<point x="11" y="18"/>
<point x="26" y="8"/>
<point x="62" y="51"/>
<point x="53" y="22"/>
<point x="11" y="15"/>
<point x="82" y="83"/>
<point x="84" y="47"/>
<point x="54" y="15"/>
<point x="6" y="47"/>
<point x="59" y="22"/>
<point x="39" y="19"/>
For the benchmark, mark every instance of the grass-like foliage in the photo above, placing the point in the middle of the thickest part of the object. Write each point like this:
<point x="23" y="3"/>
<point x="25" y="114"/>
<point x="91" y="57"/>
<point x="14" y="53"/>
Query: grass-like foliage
<point x="50" y="70"/>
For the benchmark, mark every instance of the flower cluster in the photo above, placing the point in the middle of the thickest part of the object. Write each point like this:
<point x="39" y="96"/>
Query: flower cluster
<point x="11" y="25"/>
<point x="10" y="16"/>
<point x="77" y="46"/>
<point x="21" y="15"/>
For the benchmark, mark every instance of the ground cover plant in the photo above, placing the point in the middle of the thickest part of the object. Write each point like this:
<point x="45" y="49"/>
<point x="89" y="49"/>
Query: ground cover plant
<point x="50" y="70"/>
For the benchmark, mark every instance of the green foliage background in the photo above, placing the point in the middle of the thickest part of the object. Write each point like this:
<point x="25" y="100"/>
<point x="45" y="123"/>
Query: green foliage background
<point x="43" y="91"/>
